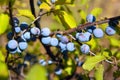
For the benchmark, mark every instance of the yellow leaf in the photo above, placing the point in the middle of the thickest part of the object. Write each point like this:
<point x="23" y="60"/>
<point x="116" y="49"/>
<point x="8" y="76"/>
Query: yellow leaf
<point x="2" y="57"/>
<point x="96" y="11"/>
<point x="45" y="6"/>
<point x="69" y="19"/>
<point x="37" y="72"/>
<point x="4" y="22"/>
<point x="99" y="72"/>
<point x="92" y="61"/>
<point x="26" y="13"/>
<point x="3" y="71"/>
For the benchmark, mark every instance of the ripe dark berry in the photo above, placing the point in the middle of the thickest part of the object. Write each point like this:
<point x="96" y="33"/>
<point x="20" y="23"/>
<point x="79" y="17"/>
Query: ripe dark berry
<point x="45" y="31"/>
<point x="58" y="71"/>
<point x="12" y="45"/>
<point x="17" y="29"/>
<point x="23" y="25"/>
<point x="27" y="35"/>
<point x="113" y="23"/>
<point x="53" y="1"/>
<point x="39" y="2"/>
<point x="64" y="39"/>
<point x="90" y="29"/>
<point x="98" y="33"/>
<point x="84" y="37"/>
<point x="62" y="46"/>
<point x="50" y="61"/>
<point x="35" y="31"/>
<point x="70" y="46"/>
<point x="85" y="49"/>
<point x="10" y="35"/>
<point x="42" y="62"/>
<point x="46" y="40"/>
<point x="54" y="42"/>
<point x="90" y="18"/>
<point x="16" y="20"/>
<point x="22" y="45"/>
<point x="110" y="30"/>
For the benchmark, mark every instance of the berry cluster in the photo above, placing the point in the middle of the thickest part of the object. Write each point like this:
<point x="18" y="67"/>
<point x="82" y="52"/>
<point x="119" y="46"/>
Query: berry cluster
<point x="20" y="36"/>
<point x="18" y="43"/>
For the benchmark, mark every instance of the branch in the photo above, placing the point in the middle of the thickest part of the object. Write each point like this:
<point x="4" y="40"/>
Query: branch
<point x="83" y="26"/>
<point x="12" y="24"/>
<point x="11" y="17"/>
<point x="33" y="12"/>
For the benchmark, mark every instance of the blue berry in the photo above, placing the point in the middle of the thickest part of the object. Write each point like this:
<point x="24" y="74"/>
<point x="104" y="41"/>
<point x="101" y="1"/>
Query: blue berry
<point x="90" y="18"/>
<point x="64" y="39"/>
<point x="113" y="23"/>
<point x="110" y="30"/>
<point x="18" y="50"/>
<point x="88" y="36"/>
<point x="45" y="31"/>
<point x="77" y="35"/>
<point x="17" y="29"/>
<point x="84" y="37"/>
<point x="33" y="38"/>
<point x="58" y="71"/>
<point x="26" y="35"/>
<point x="62" y="46"/>
<point x="12" y="45"/>
<point x="16" y="25"/>
<point x="50" y="61"/>
<point x="70" y="46"/>
<point x="46" y="40"/>
<point x="42" y="62"/>
<point x="22" y="45"/>
<point x="58" y="35"/>
<point x="13" y="52"/>
<point x="98" y="33"/>
<point x="23" y="25"/>
<point x="10" y="35"/>
<point x="35" y="31"/>
<point x="90" y="29"/>
<point x="80" y="63"/>
<point x="39" y="2"/>
<point x="54" y="42"/>
<point x="85" y="49"/>
<point x="53" y="1"/>
<point x="16" y="20"/>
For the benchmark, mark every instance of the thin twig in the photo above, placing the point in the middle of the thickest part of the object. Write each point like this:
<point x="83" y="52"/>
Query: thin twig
<point x="105" y="60"/>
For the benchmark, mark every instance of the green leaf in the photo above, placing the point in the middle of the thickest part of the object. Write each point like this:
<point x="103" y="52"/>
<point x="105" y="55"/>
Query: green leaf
<point x="37" y="72"/>
<point x="4" y="22"/>
<point x="3" y="71"/>
<point x="99" y="72"/>
<point x="96" y="11"/>
<point x="67" y="20"/>
<point x="2" y="57"/>
<point x="91" y="62"/>
<point x="26" y="13"/>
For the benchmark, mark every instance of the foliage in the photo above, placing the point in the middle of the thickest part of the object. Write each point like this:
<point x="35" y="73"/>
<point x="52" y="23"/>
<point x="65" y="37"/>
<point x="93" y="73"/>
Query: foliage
<point x="53" y="62"/>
